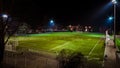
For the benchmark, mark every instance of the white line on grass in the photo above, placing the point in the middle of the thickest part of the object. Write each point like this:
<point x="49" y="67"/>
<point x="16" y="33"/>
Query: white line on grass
<point x="93" y="48"/>
<point x="59" y="46"/>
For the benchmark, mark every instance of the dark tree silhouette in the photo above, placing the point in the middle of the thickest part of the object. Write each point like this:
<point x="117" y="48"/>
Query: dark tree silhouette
<point x="8" y="27"/>
<point x="74" y="60"/>
<point x="23" y="28"/>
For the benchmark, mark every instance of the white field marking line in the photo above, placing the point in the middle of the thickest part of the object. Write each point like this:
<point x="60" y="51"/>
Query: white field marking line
<point x="60" y="46"/>
<point x="93" y="48"/>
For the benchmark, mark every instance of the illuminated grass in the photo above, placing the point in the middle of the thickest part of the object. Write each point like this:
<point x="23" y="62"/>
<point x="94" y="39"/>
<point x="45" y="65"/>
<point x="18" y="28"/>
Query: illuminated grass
<point x="118" y="43"/>
<point x="55" y="42"/>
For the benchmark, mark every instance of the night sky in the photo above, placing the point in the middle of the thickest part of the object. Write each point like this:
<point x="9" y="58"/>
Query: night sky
<point x="39" y="12"/>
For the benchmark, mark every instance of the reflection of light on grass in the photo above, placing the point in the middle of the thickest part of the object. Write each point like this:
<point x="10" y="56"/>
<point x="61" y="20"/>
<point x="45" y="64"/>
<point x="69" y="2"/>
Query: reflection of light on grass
<point x="55" y="34"/>
<point x="93" y="35"/>
<point x="65" y="34"/>
<point x="60" y="46"/>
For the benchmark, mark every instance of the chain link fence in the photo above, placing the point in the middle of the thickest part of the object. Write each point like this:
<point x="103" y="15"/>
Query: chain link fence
<point x="28" y="60"/>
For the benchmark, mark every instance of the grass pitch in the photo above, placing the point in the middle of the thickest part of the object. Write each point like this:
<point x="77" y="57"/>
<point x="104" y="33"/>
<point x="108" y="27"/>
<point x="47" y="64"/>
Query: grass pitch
<point x="89" y="44"/>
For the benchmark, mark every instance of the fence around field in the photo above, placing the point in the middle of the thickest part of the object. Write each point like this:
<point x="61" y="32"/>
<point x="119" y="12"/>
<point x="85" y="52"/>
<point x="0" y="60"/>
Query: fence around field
<point x="28" y="60"/>
<point x="36" y="60"/>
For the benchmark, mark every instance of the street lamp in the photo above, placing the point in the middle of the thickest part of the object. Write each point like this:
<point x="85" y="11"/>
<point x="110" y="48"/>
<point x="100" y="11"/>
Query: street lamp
<point x="52" y="23"/>
<point x="109" y="21"/>
<point x="5" y="17"/>
<point x="114" y="3"/>
<point x="110" y="18"/>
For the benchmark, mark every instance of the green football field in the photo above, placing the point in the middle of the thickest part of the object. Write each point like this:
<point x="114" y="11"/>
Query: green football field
<point x="89" y="44"/>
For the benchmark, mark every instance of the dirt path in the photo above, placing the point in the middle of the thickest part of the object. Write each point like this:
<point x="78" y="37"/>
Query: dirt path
<point x="110" y="55"/>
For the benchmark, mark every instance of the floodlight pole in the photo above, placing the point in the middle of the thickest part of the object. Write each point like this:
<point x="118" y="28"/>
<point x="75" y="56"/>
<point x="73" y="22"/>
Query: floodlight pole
<point x="114" y="4"/>
<point x="114" y="25"/>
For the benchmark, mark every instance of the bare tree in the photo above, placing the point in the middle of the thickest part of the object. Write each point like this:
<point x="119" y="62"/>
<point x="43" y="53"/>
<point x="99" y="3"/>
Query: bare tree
<point x="23" y="28"/>
<point x="8" y="27"/>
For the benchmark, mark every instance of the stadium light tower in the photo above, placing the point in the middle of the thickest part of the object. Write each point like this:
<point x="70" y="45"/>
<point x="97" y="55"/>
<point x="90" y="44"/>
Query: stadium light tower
<point x="109" y="21"/>
<point x="52" y="23"/>
<point x="5" y="17"/>
<point x="110" y="18"/>
<point x="114" y="3"/>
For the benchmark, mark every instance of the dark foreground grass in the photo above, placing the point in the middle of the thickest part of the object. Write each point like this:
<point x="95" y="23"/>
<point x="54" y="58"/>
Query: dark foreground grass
<point x="56" y="41"/>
